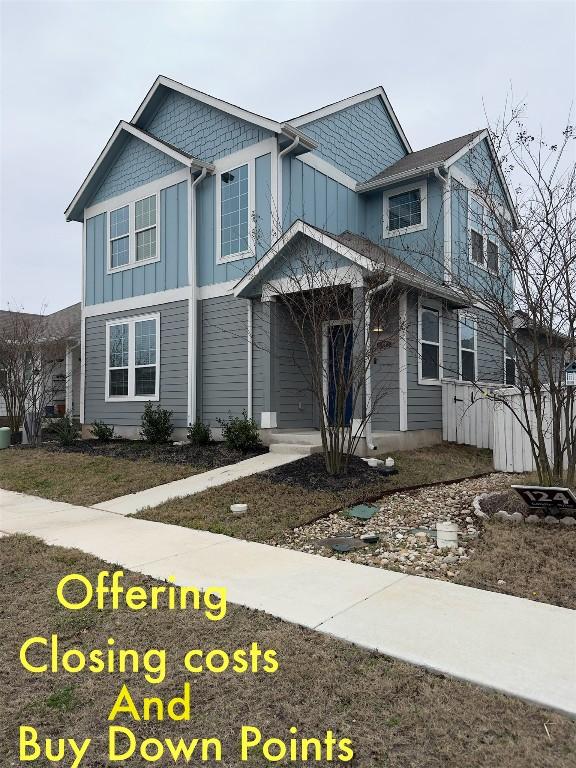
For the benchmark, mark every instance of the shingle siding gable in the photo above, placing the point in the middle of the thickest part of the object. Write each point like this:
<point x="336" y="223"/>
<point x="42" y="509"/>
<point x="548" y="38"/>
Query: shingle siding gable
<point x="201" y="130"/>
<point x="359" y="140"/>
<point x="137" y="164"/>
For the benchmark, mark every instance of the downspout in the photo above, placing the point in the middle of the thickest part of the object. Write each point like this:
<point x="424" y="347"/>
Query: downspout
<point x="250" y="356"/>
<point x="279" y="182"/>
<point x="192" y="311"/>
<point x="368" y="374"/>
<point x="444" y="177"/>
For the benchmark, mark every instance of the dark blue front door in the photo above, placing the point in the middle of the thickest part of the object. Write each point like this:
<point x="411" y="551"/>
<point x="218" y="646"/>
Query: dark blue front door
<point x="339" y="361"/>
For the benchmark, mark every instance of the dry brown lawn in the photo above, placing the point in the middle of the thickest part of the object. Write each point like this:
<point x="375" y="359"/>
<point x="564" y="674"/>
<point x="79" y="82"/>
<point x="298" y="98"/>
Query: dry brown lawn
<point x="534" y="561"/>
<point x="81" y="479"/>
<point x="397" y="715"/>
<point x="278" y="506"/>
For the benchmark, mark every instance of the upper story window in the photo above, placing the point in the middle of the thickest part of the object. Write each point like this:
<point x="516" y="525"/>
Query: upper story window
<point x="132" y="367"/>
<point x="430" y="343"/>
<point x="234" y="206"/>
<point x="405" y="210"/>
<point x="484" y="251"/>
<point x="467" y="348"/>
<point x="133" y="236"/>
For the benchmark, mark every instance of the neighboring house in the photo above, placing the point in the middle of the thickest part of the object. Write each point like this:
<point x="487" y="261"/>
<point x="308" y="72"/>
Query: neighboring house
<point x="173" y="273"/>
<point x="64" y="326"/>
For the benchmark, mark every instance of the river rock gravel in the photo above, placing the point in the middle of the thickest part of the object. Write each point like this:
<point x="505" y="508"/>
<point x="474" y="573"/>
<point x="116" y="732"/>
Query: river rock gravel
<point x="406" y="524"/>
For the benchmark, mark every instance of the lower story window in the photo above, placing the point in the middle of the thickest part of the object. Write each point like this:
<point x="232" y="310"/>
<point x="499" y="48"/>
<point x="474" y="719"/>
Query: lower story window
<point x="467" y="337"/>
<point x="132" y="358"/>
<point x="509" y="362"/>
<point x="430" y="344"/>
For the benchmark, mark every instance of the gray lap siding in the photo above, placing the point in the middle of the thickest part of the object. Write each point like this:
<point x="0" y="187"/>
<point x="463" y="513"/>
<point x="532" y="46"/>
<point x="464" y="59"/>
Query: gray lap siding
<point x="173" y="367"/>
<point x="223" y="358"/>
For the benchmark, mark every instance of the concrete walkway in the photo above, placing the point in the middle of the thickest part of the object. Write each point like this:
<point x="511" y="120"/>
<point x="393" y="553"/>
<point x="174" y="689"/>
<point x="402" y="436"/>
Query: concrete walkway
<point x="523" y="648"/>
<point x="128" y="505"/>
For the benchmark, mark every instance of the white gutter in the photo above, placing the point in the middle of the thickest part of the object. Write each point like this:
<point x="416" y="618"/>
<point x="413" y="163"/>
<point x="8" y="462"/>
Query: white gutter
<point x="444" y="178"/>
<point x="192" y="313"/>
<point x="368" y="374"/>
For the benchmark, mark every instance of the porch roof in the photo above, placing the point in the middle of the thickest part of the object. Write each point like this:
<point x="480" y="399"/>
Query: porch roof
<point x="360" y="251"/>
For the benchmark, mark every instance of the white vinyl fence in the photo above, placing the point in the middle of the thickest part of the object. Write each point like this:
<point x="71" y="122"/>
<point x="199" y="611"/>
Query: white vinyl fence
<point x="470" y="417"/>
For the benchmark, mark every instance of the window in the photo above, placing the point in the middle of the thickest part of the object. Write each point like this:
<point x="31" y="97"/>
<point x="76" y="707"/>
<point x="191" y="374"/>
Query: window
<point x="483" y="246"/>
<point x="119" y="237"/>
<point x="234" y="212"/>
<point x="405" y="210"/>
<point x="467" y="339"/>
<point x="145" y="228"/>
<point x="430" y="344"/>
<point x="492" y="256"/>
<point x="133" y="236"/>
<point x="132" y="355"/>
<point x="509" y="361"/>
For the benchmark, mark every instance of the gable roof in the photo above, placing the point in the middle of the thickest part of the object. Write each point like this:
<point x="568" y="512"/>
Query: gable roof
<point x="162" y="84"/>
<point x="62" y="324"/>
<point x="360" y="251"/>
<point x="74" y="212"/>
<point x="422" y="159"/>
<point x="350" y="101"/>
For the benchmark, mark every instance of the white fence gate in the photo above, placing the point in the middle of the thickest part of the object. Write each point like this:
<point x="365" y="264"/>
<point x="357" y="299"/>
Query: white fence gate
<point x="470" y="417"/>
<point x="467" y="415"/>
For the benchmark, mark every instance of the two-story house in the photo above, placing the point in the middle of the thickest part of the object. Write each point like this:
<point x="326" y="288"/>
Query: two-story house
<point x="173" y="274"/>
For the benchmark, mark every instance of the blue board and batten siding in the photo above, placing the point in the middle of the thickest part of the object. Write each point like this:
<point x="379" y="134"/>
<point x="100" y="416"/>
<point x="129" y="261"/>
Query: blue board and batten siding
<point x="173" y="368"/>
<point x="209" y="271"/>
<point x="171" y="271"/>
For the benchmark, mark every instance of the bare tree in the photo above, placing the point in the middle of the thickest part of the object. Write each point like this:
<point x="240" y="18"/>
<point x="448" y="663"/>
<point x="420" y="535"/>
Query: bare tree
<point x="517" y="270"/>
<point x="342" y="320"/>
<point x="30" y="354"/>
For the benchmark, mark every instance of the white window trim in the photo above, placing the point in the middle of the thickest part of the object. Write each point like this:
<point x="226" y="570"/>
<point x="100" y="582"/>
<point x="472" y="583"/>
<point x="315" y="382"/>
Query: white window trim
<point x="230" y="166"/>
<point x="461" y="317"/>
<point x="110" y="270"/>
<point x="130" y="322"/>
<point x="485" y="237"/>
<point x="422" y="186"/>
<point x="421" y="380"/>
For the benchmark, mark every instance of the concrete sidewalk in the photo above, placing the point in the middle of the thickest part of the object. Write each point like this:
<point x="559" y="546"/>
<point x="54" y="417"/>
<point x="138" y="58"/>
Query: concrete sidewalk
<point x="517" y="646"/>
<point x="128" y="505"/>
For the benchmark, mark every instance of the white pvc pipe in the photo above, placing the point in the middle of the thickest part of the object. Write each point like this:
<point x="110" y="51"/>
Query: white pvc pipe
<point x="192" y="314"/>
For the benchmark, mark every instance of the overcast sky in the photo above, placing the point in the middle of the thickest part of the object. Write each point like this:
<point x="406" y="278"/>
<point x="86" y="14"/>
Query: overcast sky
<point x="71" y="71"/>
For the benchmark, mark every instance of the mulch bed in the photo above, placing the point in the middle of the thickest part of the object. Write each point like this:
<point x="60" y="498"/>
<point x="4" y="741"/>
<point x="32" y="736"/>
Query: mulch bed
<point x="206" y="457"/>
<point x="310" y="473"/>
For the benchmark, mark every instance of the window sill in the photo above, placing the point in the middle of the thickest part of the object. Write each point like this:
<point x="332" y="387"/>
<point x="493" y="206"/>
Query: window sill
<point x="131" y="398"/>
<point x="132" y="265"/>
<point x="483" y="268"/>
<point x="429" y="382"/>
<point x="235" y="257"/>
<point x="404" y="231"/>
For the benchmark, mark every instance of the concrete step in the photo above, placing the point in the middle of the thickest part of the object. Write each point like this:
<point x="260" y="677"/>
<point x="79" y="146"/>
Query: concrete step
<point x="297" y="438"/>
<point x="303" y="450"/>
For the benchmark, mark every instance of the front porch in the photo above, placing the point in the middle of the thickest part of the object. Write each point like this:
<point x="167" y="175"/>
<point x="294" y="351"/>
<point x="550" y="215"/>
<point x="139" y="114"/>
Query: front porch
<point x="307" y="441"/>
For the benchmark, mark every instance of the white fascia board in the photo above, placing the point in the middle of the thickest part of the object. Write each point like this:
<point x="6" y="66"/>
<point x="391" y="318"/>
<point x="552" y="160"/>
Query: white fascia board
<point x="368" y="186"/>
<point x="186" y="160"/>
<point x="338" y="106"/>
<point x="204" y="98"/>
<point x="299" y="227"/>
<point x="458" y="155"/>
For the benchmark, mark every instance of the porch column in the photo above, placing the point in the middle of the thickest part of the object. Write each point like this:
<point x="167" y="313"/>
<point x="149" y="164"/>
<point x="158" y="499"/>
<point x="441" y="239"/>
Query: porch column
<point x="268" y="418"/>
<point x="359" y="356"/>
